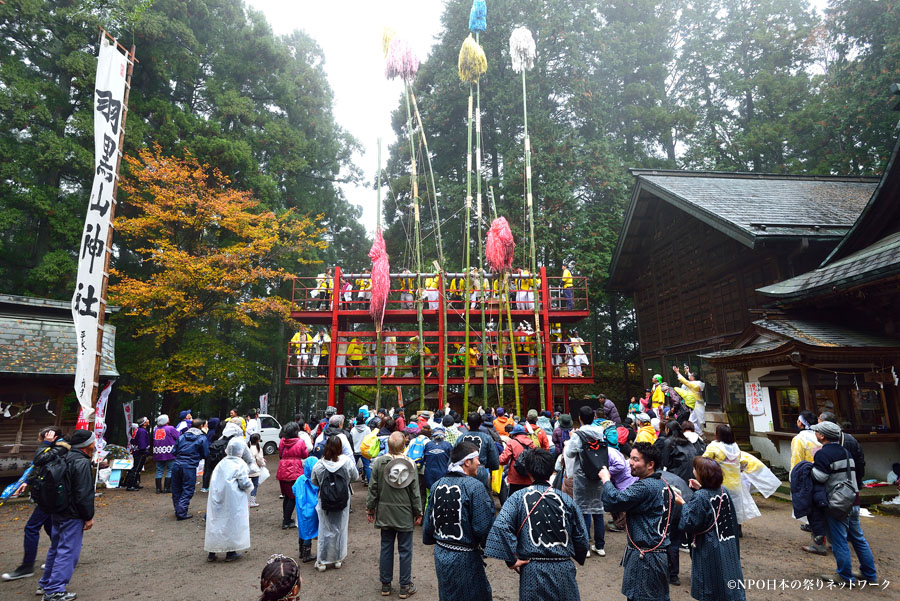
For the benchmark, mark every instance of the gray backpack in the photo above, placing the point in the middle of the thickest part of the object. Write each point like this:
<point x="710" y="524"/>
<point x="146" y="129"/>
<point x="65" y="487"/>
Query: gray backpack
<point x="841" y="492"/>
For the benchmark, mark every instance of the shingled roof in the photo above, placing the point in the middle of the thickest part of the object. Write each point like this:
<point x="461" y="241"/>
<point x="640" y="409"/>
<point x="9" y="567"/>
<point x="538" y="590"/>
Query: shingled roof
<point x="879" y="260"/>
<point x="37" y="336"/>
<point x="748" y="206"/>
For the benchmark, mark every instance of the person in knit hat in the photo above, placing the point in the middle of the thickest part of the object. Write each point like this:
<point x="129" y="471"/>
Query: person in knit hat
<point x="164" y="439"/>
<point x="72" y="521"/>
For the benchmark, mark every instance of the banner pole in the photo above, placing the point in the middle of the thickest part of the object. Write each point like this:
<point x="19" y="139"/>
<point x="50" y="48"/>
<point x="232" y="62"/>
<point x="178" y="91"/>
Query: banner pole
<point x="101" y="314"/>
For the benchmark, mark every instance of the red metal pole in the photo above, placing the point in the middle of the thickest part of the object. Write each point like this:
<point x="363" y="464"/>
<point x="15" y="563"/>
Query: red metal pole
<point x="442" y="345"/>
<point x="332" y="356"/>
<point x="548" y="350"/>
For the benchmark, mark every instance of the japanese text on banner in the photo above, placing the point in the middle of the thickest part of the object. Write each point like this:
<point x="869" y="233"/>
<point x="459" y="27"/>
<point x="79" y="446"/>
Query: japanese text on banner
<point x="109" y="92"/>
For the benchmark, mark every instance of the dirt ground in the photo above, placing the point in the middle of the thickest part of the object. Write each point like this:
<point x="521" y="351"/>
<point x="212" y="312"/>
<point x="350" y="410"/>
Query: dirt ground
<point x="137" y="550"/>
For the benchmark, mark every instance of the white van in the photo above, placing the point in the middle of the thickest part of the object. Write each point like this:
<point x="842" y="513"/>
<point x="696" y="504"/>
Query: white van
<point x="268" y="436"/>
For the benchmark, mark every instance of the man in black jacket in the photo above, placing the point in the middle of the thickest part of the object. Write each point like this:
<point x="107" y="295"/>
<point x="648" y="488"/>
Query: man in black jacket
<point x="39" y="518"/>
<point x="70" y="524"/>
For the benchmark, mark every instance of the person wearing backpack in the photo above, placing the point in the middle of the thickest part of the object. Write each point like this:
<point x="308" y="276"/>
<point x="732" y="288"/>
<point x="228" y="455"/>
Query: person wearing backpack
<point x="514" y="455"/>
<point x="333" y="475"/>
<point x="834" y="467"/>
<point x="71" y="513"/>
<point x="48" y="448"/>
<point x="588" y="448"/>
<point x="562" y="432"/>
<point x="357" y="435"/>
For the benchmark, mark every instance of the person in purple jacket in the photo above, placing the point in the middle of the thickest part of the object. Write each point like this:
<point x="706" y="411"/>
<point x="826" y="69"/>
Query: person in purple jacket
<point x="140" y="447"/>
<point x="621" y="477"/>
<point x="164" y="439"/>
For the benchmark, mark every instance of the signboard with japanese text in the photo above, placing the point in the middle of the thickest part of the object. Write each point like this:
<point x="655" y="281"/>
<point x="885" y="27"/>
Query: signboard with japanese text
<point x="109" y="92"/>
<point x="753" y="393"/>
<point x="264" y="403"/>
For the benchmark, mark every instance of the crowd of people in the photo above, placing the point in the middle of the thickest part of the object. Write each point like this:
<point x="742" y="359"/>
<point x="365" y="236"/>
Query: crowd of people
<point x="532" y="491"/>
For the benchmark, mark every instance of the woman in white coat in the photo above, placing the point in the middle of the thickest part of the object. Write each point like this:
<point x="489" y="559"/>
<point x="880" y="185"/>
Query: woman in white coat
<point x="336" y="469"/>
<point x="227" y="507"/>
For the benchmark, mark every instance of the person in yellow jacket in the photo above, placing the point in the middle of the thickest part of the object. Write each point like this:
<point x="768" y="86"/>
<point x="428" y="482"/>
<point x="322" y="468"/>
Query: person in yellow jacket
<point x="324" y="347"/>
<point x="354" y="356"/>
<point x="407" y="289"/>
<point x="300" y="349"/>
<point x="805" y="444"/>
<point x="364" y="286"/>
<point x="646" y="432"/>
<point x="567" y="286"/>
<point x="696" y="388"/>
<point x="431" y="292"/>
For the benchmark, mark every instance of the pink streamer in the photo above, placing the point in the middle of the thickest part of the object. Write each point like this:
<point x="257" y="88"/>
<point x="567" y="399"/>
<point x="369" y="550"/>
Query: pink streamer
<point x="500" y="245"/>
<point x="381" y="279"/>
<point x="401" y="61"/>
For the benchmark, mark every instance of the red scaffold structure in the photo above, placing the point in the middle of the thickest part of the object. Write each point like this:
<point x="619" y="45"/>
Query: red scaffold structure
<point x="336" y="346"/>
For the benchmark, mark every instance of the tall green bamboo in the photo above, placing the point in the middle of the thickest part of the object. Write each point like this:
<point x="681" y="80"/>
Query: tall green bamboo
<point x="468" y="258"/>
<point x="522" y="54"/>
<point x="478" y="215"/>
<point x="418" y="235"/>
<point x="440" y="244"/>
<point x="505" y="303"/>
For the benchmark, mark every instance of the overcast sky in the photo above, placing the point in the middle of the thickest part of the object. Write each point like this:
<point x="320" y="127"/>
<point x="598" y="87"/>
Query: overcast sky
<point x="349" y="32"/>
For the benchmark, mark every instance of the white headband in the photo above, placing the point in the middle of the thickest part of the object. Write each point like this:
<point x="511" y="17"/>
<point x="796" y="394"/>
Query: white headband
<point x="457" y="467"/>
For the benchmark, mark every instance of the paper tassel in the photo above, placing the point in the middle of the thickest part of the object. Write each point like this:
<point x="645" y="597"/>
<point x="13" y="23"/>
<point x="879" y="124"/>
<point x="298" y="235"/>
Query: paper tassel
<point x="400" y="61"/>
<point x="387" y="37"/>
<point x="477" y="17"/>
<point x="472" y="61"/>
<point x="500" y="245"/>
<point x="381" y="279"/>
<point x="521" y="49"/>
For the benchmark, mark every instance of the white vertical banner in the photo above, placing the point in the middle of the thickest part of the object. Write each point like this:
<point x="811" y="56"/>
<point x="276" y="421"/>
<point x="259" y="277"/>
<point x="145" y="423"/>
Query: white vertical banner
<point x="264" y="403"/>
<point x="128" y="409"/>
<point x="100" y="417"/>
<point x="109" y="92"/>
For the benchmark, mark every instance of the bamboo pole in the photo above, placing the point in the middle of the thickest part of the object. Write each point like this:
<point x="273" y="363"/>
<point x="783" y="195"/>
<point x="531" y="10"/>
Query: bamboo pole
<point x="534" y="286"/>
<point x="440" y="244"/>
<point x="468" y="258"/>
<point x="478" y="214"/>
<point x="512" y="341"/>
<point x="415" y="193"/>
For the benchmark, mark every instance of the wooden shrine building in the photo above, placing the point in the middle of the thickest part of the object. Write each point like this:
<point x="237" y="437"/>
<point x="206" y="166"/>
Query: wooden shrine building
<point x="37" y="373"/>
<point x="696" y="247"/>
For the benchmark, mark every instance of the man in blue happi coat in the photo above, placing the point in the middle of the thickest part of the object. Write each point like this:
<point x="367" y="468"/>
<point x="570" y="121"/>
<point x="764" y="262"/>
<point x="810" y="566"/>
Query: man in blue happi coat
<point x="648" y="506"/>
<point x="538" y="532"/>
<point x="457" y="521"/>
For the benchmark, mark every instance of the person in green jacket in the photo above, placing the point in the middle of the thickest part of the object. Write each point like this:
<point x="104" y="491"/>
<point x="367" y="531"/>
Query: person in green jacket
<point x="394" y="505"/>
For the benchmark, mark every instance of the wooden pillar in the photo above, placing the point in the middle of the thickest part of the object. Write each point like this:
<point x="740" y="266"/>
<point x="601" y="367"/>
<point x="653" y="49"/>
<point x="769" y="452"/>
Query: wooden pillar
<point x="806" y="401"/>
<point x="548" y="350"/>
<point x="566" y="402"/>
<point x="332" y="355"/>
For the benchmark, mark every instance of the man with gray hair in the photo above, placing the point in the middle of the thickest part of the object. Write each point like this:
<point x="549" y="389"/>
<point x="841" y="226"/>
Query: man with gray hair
<point x="394" y="505"/>
<point x="335" y="427"/>
<point x="833" y="466"/>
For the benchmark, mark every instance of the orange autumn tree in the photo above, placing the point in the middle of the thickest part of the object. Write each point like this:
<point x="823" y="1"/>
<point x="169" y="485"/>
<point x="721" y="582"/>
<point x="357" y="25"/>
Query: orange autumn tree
<point x="209" y="263"/>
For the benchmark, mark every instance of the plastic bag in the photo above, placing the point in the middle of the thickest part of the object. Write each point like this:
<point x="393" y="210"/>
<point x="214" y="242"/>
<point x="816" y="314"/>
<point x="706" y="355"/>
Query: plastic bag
<point x="263" y="474"/>
<point x="496" y="480"/>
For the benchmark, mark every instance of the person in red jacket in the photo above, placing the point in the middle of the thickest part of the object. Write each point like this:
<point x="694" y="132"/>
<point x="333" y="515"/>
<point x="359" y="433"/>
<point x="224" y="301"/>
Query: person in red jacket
<point x="518" y="442"/>
<point x="293" y="452"/>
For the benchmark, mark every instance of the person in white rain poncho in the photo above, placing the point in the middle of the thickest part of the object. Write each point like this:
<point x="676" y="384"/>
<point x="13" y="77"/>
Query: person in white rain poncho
<point x="333" y="475"/>
<point x="227" y="508"/>
<point x="741" y="472"/>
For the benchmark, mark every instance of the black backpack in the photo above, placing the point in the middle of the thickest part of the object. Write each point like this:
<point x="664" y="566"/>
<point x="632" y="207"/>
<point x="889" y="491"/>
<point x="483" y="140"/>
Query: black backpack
<point x="334" y="491"/>
<point x="50" y="487"/>
<point x="519" y="463"/>
<point x="594" y="455"/>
